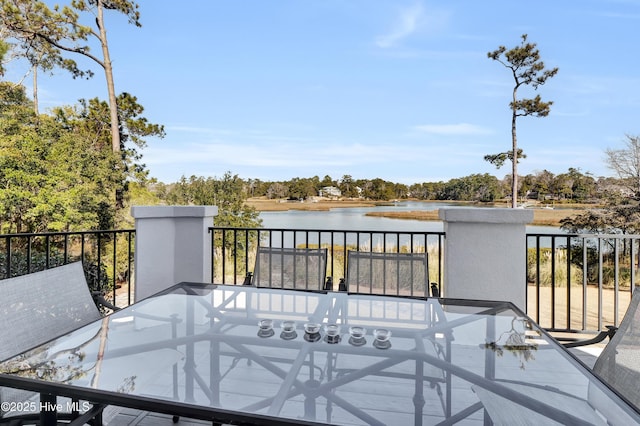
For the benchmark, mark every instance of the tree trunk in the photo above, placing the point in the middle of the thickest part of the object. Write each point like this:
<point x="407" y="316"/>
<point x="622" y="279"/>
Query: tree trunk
<point x="35" y="89"/>
<point x="113" y="103"/>
<point x="514" y="161"/>
<point x="108" y="70"/>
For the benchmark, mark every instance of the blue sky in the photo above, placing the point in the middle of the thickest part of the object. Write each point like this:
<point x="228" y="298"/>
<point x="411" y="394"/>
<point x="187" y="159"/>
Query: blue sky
<point x="397" y="89"/>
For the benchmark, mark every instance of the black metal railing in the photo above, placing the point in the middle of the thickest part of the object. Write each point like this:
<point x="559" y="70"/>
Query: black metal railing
<point x="580" y="282"/>
<point x="575" y="282"/>
<point x="234" y="249"/>
<point x="107" y="257"/>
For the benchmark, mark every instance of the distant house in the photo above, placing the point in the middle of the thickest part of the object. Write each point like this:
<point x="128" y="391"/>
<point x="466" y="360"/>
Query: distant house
<point x="330" y="192"/>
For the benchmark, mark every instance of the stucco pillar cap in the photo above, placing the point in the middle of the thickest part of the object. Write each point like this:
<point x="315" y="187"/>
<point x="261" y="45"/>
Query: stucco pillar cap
<point x="147" y="212"/>
<point x="486" y="215"/>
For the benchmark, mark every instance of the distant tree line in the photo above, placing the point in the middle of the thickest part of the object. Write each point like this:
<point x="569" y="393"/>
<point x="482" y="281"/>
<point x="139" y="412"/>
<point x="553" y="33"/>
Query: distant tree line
<point x="572" y="186"/>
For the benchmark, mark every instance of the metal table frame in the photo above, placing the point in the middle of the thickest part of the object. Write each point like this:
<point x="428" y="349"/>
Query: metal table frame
<point x="331" y="307"/>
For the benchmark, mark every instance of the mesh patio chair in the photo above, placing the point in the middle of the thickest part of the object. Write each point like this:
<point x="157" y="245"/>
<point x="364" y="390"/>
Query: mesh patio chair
<point x="619" y="362"/>
<point x="404" y="274"/>
<point x="530" y="405"/>
<point x="34" y="309"/>
<point x="291" y="268"/>
<point x="618" y="365"/>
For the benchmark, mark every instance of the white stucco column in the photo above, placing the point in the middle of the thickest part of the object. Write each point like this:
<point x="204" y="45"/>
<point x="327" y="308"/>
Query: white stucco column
<point x="485" y="253"/>
<point x="172" y="245"/>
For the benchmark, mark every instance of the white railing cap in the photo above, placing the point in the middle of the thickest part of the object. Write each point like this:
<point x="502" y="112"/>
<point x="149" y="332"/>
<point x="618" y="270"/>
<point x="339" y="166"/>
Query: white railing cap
<point x="147" y="212"/>
<point x="486" y="215"/>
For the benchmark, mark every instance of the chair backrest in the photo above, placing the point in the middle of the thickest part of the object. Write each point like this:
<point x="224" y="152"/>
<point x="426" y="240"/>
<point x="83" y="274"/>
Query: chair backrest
<point x="37" y="307"/>
<point x="291" y="268"/>
<point x="387" y="273"/>
<point x="619" y="362"/>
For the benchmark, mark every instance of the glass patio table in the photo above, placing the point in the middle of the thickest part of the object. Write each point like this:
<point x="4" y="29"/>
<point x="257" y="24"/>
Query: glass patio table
<point x="246" y="355"/>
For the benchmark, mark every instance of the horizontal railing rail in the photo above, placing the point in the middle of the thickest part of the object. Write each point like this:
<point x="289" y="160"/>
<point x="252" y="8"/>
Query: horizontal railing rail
<point x="107" y="257"/>
<point x="234" y="249"/>
<point x="580" y="282"/>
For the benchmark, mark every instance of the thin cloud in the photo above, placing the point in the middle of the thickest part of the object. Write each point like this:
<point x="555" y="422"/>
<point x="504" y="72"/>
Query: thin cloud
<point x="407" y="23"/>
<point x="460" y="129"/>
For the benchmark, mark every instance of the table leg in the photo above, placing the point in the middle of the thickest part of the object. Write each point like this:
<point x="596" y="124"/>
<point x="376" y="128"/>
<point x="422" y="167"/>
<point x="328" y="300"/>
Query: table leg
<point x="310" y="402"/>
<point x="190" y="364"/>
<point x="214" y="373"/>
<point x="48" y="410"/>
<point x="312" y="383"/>
<point x="489" y="360"/>
<point x="332" y="359"/>
<point x="418" y="396"/>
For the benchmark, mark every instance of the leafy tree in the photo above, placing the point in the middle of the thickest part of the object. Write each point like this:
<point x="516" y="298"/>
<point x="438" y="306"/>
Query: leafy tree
<point x="327" y="181"/>
<point x="51" y="32"/>
<point x="228" y="193"/>
<point x="427" y="190"/>
<point x="40" y="189"/>
<point x="39" y="53"/>
<point x="400" y="190"/>
<point x="348" y="187"/>
<point x="378" y="189"/>
<point x="93" y="119"/>
<point x="528" y="186"/>
<point x="477" y="187"/>
<point x="575" y="185"/>
<point x="253" y="186"/>
<point x="499" y="159"/>
<point x="626" y="164"/>
<point x="301" y="188"/>
<point x="277" y="190"/>
<point x="4" y="48"/>
<point x="621" y="213"/>
<point x="527" y="69"/>
<point x="545" y="182"/>
<point x="618" y="216"/>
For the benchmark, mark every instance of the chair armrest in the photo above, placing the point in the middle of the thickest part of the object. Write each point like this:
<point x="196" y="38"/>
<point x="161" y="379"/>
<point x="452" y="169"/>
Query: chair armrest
<point x="98" y="297"/>
<point x="611" y="330"/>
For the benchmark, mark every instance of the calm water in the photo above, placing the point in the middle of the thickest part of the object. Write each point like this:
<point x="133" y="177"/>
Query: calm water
<point x="356" y="219"/>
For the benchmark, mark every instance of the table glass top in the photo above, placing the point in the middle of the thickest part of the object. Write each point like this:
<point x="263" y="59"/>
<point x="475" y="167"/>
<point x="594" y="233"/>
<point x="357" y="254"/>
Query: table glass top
<point x="328" y="357"/>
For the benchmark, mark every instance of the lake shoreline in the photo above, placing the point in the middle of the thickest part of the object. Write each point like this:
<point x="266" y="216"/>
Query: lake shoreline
<point x="541" y="216"/>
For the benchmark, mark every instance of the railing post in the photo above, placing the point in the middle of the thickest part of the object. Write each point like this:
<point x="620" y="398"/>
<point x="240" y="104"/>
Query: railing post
<point x="172" y="245"/>
<point x="485" y="253"/>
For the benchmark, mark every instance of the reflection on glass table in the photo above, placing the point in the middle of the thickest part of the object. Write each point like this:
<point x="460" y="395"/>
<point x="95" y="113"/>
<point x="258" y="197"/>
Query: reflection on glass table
<point x="241" y="354"/>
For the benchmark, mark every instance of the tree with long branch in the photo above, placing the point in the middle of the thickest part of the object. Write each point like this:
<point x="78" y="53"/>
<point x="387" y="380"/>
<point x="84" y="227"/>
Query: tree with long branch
<point x="40" y="54"/>
<point x="626" y="164"/>
<point x="35" y="25"/>
<point x="527" y="70"/>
